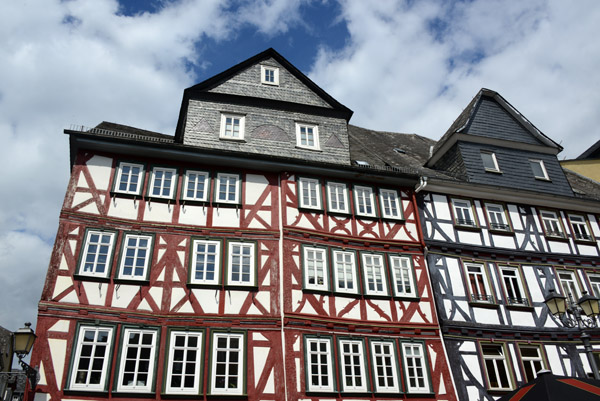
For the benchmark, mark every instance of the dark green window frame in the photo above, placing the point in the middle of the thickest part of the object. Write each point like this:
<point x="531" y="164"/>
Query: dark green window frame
<point x="118" y="274"/>
<point x="242" y="368"/>
<point x="83" y="252"/>
<point x="319" y="195"/>
<point x="253" y="268"/>
<point x="317" y="287"/>
<point x="117" y="176"/>
<point x="174" y="183"/>
<point x="153" y="358"/>
<point x="347" y="364"/>
<point x="308" y="366"/>
<point x="219" y="263"/>
<point x="238" y="190"/>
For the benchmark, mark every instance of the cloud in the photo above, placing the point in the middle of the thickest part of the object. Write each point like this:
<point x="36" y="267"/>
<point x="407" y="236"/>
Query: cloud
<point x="413" y="66"/>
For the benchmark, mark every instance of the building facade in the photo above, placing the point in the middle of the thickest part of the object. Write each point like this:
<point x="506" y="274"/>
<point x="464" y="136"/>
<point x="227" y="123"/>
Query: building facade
<point x="247" y="256"/>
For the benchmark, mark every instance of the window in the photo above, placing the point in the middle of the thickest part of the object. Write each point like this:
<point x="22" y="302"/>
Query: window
<point x="416" y="368"/>
<point x="319" y="369"/>
<point x="92" y="358"/>
<point x="478" y="283"/>
<point x="162" y="183"/>
<point x="307" y="136"/>
<point x="496" y="217"/>
<point x="385" y="369"/>
<point x="309" y="193"/>
<point x="374" y="274"/>
<point x="402" y="275"/>
<point x="489" y="162"/>
<point x="462" y="213"/>
<point x="337" y="197"/>
<point x="580" y="227"/>
<point x="316" y="274"/>
<point x="532" y="361"/>
<point x="538" y="169"/>
<point x="206" y="262"/>
<point x="269" y="75"/>
<point x="391" y="207"/>
<point x="344" y="270"/>
<point x="227" y="188"/>
<point x="515" y="295"/>
<point x="364" y="201"/>
<point x="135" y="257"/>
<point x="552" y="225"/>
<point x="352" y="365"/>
<point x="184" y="367"/>
<point x="136" y="369"/>
<point x="595" y="284"/>
<point x="241" y="263"/>
<point x="232" y="126"/>
<point x="96" y="254"/>
<point x="496" y="367"/>
<point x="130" y="178"/>
<point x="569" y="285"/>
<point x="228" y="363"/>
<point x="196" y="186"/>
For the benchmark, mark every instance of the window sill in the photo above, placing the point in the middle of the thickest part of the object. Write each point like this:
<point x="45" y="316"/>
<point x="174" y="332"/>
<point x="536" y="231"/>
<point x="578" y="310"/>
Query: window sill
<point x="135" y="394"/>
<point x="347" y="294"/>
<point x="499" y="391"/>
<point x="83" y="277"/>
<point x="225" y="396"/>
<point x="131" y="281"/>
<point x="83" y="392"/>
<point x="227" y="139"/>
<point x="406" y="298"/>
<point x="420" y="395"/>
<point x="487" y="305"/>
<point x="308" y="148"/>
<point x="335" y="213"/>
<point x="193" y="202"/>
<point x="308" y="209"/>
<point x="556" y="238"/>
<point x="376" y="296"/>
<point x="235" y="205"/>
<point x="501" y="232"/>
<point x="323" y="291"/>
<point x="521" y="308"/>
<point x="400" y="220"/>
<point x="367" y="216"/>
<point x="205" y="286"/>
<point x="241" y="287"/>
<point x="543" y="179"/>
<point x="148" y="198"/>
<point x="493" y="171"/>
<point x="466" y="227"/>
<point x="585" y="241"/>
<point x="125" y="195"/>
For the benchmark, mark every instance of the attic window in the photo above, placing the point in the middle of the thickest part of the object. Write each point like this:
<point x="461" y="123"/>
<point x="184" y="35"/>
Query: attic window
<point x="361" y="163"/>
<point x="269" y="75"/>
<point x="489" y="162"/>
<point x="538" y="169"/>
<point x="398" y="150"/>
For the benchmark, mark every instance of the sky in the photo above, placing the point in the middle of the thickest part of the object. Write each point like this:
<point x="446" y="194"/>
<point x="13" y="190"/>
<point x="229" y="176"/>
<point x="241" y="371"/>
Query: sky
<point x="400" y="65"/>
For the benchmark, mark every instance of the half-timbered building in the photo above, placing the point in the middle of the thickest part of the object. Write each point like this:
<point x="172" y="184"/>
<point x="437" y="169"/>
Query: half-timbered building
<point x="249" y="255"/>
<point x="504" y="226"/>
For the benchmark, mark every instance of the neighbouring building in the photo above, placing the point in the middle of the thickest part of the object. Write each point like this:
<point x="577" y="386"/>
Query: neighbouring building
<point x="586" y="164"/>
<point x="255" y="254"/>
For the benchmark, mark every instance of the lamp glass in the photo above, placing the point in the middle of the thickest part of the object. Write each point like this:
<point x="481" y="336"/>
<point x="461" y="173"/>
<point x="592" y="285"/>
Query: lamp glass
<point x="557" y="304"/>
<point x="589" y="304"/>
<point x="24" y="339"/>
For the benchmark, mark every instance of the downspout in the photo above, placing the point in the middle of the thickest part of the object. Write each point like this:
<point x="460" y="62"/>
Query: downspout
<point x="281" y="207"/>
<point x="422" y="185"/>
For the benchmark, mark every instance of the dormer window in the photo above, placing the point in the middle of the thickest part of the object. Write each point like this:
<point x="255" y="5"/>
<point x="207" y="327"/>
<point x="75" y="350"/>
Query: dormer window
<point x="538" y="169"/>
<point x="269" y="75"/>
<point x="307" y="136"/>
<point x="489" y="162"/>
<point x="232" y="126"/>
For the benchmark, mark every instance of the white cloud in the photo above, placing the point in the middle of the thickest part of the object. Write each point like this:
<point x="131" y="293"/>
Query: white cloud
<point x="399" y="74"/>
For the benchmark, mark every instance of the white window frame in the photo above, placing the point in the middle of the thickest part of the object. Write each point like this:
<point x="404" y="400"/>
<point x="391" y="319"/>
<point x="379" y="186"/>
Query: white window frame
<point x="228" y="188"/>
<point x="161" y="182"/>
<point x="204" y="261"/>
<point x="312" y="259"/>
<point x="594" y="280"/>
<point x="185" y="363"/>
<point x="345" y="271"/>
<point x="498" y="362"/>
<point x="337" y="197"/>
<point x="139" y="182"/>
<point x="352" y="358"/>
<point x="263" y="75"/>
<point x="299" y="136"/>
<point x="137" y="248"/>
<point x="551" y="224"/>
<point x="569" y="284"/>
<point x="494" y="168"/>
<point x="311" y="185"/>
<point x="229" y="352"/>
<point x="530" y="361"/>
<point x="463" y="214"/>
<point x="386" y="357"/>
<point x="391" y="204"/>
<point x="324" y="347"/>
<point x="230" y="134"/>
<point x="192" y="185"/>
<point x="97" y="255"/>
<point x="514" y="286"/>
<point x="403" y="276"/>
<point x="364" y="198"/>
<point x="478" y="285"/>
<point x="373" y="266"/>
<point x="497" y="217"/>
<point x="94" y="344"/>
<point x="251" y="256"/>
<point x="416" y="370"/>
<point x="580" y="227"/>
<point x="540" y="164"/>
<point x="136" y="388"/>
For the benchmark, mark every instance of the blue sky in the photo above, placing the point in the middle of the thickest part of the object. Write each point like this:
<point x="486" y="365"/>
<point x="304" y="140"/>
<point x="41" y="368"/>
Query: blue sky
<point x="400" y="65"/>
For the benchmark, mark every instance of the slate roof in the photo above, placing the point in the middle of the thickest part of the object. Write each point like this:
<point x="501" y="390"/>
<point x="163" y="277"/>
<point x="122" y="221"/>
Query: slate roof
<point x="132" y="131"/>
<point x="583" y="187"/>
<point x="592" y="153"/>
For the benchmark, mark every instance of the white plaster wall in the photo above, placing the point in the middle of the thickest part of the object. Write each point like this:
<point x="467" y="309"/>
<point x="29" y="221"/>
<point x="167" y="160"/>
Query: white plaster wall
<point x="515" y="217"/>
<point x="521" y="318"/>
<point x="100" y="169"/>
<point x="503" y="241"/>
<point x="448" y="229"/>
<point x="442" y="209"/>
<point x="485" y="315"/>
<point x="352" y="313"/>
<point x="193" y="215"/>
<point x="255" y="186"/>
<point x="159" y="211"/>
<point x="124" y="208"/>
<point x="558" y="246"/>
<point x="587" y="250"/>
<point x="469" y="237"/>
<point x="226" y="217"/>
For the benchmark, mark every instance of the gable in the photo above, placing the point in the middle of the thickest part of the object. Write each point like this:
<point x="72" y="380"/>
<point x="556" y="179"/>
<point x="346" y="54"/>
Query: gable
<point x="491" y="120"/>
<point x="290" y="89"/>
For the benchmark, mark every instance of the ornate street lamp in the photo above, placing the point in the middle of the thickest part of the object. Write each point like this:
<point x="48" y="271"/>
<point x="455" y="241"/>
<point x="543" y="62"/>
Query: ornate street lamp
<point x="582" y="315"/>
<point x="22" y="342"/>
